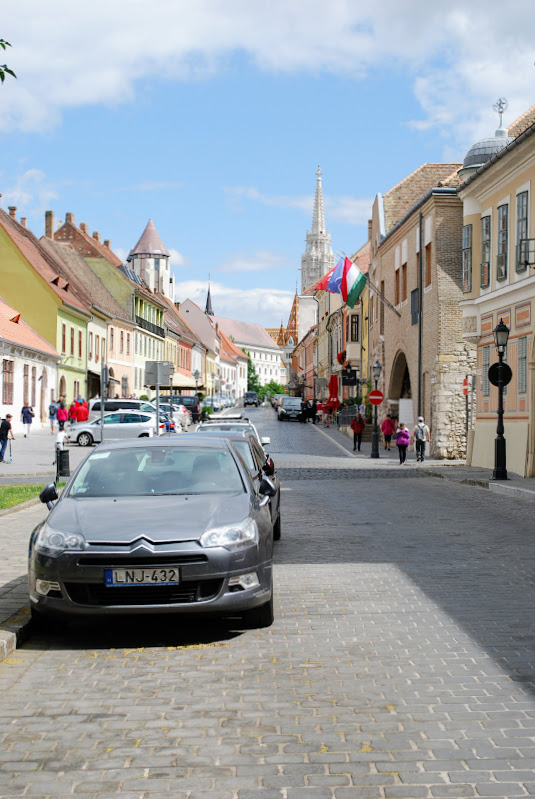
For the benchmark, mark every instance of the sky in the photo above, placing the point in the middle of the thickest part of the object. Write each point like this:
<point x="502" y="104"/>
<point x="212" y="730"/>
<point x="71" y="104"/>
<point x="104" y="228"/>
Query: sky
<point x="211" y="117"/>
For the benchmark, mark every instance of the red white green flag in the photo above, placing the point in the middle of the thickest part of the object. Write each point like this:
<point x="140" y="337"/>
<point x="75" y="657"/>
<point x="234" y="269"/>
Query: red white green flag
<point x="353" y="282"/>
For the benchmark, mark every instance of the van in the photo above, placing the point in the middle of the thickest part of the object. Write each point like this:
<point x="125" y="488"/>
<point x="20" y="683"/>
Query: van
<point x="251" y="398"/>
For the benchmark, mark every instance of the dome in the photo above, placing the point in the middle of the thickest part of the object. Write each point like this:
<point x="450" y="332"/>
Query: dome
<point x="483" y="150"/>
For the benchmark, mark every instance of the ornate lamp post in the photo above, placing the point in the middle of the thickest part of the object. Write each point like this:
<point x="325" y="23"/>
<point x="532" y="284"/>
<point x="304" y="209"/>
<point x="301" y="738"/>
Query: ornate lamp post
<point x="196" y="377"/>
<point x="376" y="372"/>
<point x="500" y="375"/>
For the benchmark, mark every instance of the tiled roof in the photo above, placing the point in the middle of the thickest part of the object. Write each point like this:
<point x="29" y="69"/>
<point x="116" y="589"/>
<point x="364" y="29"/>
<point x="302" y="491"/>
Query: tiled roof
<point x="93" y="248"/>
<point x="149" y="244"/>
<point x="231" y="348"/>
<point x="82" y="278"/>
<point x="200" y="323"/>
<point x="405" y="194"/>
<point x="522" y="123"/>
<point x="47" y="265"/>
<point x="15" y="330"/>
<point x="245" y="332"/>
<point x="362" y="259"/>
<point x="181" y="326"/>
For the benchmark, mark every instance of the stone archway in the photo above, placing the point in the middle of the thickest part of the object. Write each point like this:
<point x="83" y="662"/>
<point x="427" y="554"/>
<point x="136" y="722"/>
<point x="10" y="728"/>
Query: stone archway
<point x="400" y="391"/>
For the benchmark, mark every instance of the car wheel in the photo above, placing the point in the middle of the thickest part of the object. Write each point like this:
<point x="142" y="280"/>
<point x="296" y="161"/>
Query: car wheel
<point x="143" y="435"/>
<point x="277" y="528"/>
<point x="84" y="440"/>
<point x="260" y="617"/>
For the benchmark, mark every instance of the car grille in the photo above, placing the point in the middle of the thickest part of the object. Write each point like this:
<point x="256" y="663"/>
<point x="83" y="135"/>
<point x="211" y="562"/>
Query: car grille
<point x="118" y="561"/>
<point x="183" y="594"/>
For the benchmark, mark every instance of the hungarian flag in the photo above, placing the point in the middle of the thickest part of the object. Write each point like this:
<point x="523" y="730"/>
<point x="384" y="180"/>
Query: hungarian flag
<point x="352" y="283"/>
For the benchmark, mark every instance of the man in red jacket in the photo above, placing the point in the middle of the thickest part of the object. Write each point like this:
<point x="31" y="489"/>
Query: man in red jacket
<point x="357" y="425"/>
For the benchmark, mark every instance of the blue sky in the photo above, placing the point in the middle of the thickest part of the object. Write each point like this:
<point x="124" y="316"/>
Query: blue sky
<point x="211" y="118"/>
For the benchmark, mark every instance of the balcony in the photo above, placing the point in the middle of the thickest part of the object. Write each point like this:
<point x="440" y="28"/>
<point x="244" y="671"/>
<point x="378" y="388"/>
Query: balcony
<point x="353" y="352"/>
<point x="157" y="331"/>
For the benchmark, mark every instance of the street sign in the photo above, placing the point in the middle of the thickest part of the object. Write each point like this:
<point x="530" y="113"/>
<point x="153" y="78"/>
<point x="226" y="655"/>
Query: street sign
<point x="500" y="372"/>
<point x="465" y="386"/>
<point x="376" y="397"/>
<point x="158" y="373"/>
<point x="349" y="376"/>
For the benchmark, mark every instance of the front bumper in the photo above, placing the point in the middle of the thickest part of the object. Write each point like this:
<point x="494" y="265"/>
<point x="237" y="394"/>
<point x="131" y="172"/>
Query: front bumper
<point x="203" y="587"/>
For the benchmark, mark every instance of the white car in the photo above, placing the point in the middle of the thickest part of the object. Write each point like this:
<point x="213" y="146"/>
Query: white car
<point x="232" y="424"/>
<point x="180" y="414"/>
<point x="119" y="425"/>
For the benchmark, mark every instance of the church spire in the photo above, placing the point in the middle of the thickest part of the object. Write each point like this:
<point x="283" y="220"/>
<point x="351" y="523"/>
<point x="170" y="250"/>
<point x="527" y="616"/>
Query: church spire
<point x="209" y="310"/>
<point x="318" y="219"/>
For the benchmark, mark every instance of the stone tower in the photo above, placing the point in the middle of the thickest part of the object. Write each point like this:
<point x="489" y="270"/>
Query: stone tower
<point x="318" y="257"/>
<point x="150" y="261"/>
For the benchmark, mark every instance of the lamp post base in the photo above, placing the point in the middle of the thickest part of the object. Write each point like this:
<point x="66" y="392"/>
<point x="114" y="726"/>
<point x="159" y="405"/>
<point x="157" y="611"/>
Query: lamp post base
<point x="375" y="445"/>
<point x="500" y="469"/>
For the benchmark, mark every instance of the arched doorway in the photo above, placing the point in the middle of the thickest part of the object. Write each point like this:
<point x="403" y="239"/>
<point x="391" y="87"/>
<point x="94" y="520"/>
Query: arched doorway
<point x="400" y="391"/>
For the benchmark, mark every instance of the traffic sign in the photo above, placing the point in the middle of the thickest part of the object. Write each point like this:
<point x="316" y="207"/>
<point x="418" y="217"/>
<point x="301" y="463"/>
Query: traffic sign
<point x="500" y="373"/>
<point x="376" y="397"/>
<point x="465" y="386"/>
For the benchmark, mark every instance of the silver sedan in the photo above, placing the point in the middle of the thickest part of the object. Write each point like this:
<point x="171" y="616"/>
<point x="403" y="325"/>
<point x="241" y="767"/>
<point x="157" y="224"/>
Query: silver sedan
<point x="117" y="426"/>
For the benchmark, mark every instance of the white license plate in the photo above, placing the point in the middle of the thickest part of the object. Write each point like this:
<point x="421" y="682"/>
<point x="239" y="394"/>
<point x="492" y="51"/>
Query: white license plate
<point x="124" y="577"/>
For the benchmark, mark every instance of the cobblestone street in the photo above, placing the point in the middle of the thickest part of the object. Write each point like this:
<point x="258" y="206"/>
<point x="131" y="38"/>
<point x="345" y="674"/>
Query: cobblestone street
<point x="401" y="663"/>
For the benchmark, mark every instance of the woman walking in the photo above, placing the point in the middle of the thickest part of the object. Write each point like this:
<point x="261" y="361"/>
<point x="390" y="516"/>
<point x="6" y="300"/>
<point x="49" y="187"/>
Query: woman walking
<point x="62" y="415"/>
<point x="403" y="439"/>
<point x="388" y="429"/>
<point x="26" y="417"/>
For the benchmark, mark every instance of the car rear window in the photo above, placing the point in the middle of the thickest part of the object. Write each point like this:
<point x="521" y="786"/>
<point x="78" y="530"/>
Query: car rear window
<point x="291" y="402"/>
<point x="151" y="471"/>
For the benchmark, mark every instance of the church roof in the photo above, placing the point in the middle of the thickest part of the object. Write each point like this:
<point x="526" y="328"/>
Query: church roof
<point x="150" y="244"/>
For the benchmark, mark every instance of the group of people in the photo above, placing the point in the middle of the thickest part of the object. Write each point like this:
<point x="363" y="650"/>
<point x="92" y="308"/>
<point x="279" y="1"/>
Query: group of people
<point x="309" y="411"/>
<point x="392" y="428"/>
<point x="58" y="413"/>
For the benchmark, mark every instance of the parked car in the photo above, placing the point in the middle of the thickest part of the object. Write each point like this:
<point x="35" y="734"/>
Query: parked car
<point x="212" y="402"/>
<point x="256" y="460"/>
<point x="180" y="413"/>
<point x="153" y="526"/>
<point x="289" y="408"/>
<point x="119" y="404"/>
<point x="119" y="425"/>
<point x="251" y="398"/>
<point x="226" y="424"/>
<point x="275" y="399"/>
<point x="190" y="401"/>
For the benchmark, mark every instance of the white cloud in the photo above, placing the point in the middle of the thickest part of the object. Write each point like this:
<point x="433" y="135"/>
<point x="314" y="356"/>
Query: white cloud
<point x="459" y="57"/>
<point x="259" y="261"/>
<point x="30" y="192"/>
<point x="265" y="307"/>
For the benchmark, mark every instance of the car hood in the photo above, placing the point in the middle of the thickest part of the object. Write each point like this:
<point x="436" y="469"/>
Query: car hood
<point x="158" y="519"/>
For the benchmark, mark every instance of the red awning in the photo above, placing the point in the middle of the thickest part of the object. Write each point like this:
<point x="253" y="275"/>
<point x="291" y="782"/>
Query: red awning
<point x="333" y="391"/>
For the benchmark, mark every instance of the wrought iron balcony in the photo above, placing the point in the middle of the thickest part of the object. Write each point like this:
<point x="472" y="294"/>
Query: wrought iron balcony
<point x="158" y="331"/>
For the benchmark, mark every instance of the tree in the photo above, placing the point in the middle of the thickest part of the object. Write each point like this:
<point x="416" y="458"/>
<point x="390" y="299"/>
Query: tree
<point x="271" y="388"/>
<point x="4" y="69"/>
<point x="253" y="383"/>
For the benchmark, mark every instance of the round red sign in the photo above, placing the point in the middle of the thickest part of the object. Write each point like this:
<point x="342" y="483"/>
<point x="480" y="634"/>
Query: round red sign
<point x="376" y="397"/>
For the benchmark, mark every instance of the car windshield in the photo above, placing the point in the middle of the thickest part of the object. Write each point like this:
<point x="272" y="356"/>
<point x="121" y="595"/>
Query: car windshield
<point x="146" y="471"/>
<point x="291" y="402"/>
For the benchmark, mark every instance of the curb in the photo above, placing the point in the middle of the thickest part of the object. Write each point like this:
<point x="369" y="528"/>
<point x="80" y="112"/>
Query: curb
<point x="27" y="504"/>
<point x="14" y="632"/>
<point x="469" y="481"/>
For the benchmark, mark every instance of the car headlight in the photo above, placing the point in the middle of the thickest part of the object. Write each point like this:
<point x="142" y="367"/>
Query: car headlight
<point x="54" y="542"/>
<point x="231" y="536"/>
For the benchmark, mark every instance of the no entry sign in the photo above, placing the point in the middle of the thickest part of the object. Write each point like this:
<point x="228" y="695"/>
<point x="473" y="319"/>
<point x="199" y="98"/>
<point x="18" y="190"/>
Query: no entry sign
<point x="376" y="397"/>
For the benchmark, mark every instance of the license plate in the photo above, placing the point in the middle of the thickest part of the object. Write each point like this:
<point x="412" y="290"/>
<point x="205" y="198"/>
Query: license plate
<point x="124" y="577"/>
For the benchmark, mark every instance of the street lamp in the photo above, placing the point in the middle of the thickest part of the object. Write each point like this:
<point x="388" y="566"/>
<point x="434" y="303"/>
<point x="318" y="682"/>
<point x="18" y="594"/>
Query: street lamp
<point x="196" y="377"/>
<point x="213" y="384"/>
<point x="502" y="377"/>
<point x="376" y="372"/>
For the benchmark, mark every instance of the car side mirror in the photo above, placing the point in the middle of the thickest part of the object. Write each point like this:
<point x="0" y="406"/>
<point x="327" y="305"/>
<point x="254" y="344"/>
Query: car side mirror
<point x="49" y="495"/>
<point x="268" y="467"/>
<point x="265" y="441"/>
<point x="267" y="488"/>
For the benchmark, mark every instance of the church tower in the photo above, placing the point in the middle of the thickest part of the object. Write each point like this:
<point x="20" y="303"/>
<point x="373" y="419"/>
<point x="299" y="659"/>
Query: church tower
<point x="318" y="257"/>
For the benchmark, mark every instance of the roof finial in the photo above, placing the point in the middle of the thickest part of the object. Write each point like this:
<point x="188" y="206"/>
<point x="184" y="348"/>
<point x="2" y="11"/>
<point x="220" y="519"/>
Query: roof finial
<point x="500" y="106"/>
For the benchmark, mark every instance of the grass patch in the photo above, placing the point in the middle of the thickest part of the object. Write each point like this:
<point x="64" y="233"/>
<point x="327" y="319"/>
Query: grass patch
<point x="15" y="494"/>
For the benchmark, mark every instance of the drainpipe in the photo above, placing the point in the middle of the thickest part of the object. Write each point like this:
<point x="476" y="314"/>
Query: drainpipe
<point x="420" y="311"/>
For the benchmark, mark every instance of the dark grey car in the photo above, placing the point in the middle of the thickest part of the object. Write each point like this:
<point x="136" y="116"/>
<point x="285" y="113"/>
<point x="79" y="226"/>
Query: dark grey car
<point x="152" y="526"/>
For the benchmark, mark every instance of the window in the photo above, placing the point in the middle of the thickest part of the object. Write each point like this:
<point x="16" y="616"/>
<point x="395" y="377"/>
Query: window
<point x="522" y="364"/>
<point x="103" y="347"/>
<point x="485" y="384"/>
<point x="428" y="265"/>
<point x="485" y="252"/>
<point x="111" y="338"/>
<point x="63" y="338"/>
<point x="503" y="241"/>
<point x="382" y="310"/>
<point x="26" y="384"/>
<point x="467" y="258"/>
<point x="72" y="340"/>
<point x="397" y="287"/>
<point x="403" y="282"/>
<point x="124" y="386"/>
<point x="7" y="382"/>
<point x="121" y="341"/>
<point x="521" y="227"/>
<point x="97" y="347"/>
<point x="354" y="327"/>
<point x="128" y="343"/>
<point x="34" y="385"/>
<point x="414" y="307"/>
<point x="135" y="342"/>
<point x="145" y="345"/>
<point x="80" y="343"/>
<point x="90" y="353"/>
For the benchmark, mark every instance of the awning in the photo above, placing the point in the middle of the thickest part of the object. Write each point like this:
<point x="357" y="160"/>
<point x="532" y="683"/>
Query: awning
<point x="183" y="381"/>
<point x="333" y="391"/>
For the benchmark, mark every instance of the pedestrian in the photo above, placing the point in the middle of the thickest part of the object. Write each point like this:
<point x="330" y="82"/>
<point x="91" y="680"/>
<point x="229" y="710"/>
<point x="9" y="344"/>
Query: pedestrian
<point x="82" y="412"/>
<point x="303" y="416"/>
<point x="62" y="414"/>
<point x="388" y="429"/>
<point x="5" y="431"/>
<point x="314" y="411"/>
<point x="71" y="415"/>
<point x="420" y="435"/>
<point x="327" y="414"/>
<point x="357" y="425"/>
<point x="26" y="417"/>
<point x="402" y="441"/>
<point x="53" y="416"/>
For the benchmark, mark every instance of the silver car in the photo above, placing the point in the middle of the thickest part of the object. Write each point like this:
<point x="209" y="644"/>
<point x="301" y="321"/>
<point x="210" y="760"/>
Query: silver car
<point x="172" y="525"/>
<point x="119" y="425"/>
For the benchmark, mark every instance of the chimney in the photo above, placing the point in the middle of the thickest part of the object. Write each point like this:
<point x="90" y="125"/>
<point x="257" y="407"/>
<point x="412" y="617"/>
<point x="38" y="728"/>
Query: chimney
<point x="49" y="224"/>
<point x="12" y="211"/>
<point x="107" y="243"/>
<point x="96" y="236"/>
<point x="177" y="306"/>
<point x="369" y="228"/>
<point x="83" y="227"/>
<point x="69" y="218"/>
<point x="23" y="221"/>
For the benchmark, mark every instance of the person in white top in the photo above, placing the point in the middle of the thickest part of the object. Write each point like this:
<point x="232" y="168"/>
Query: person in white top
<point x="420" y="435"/>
